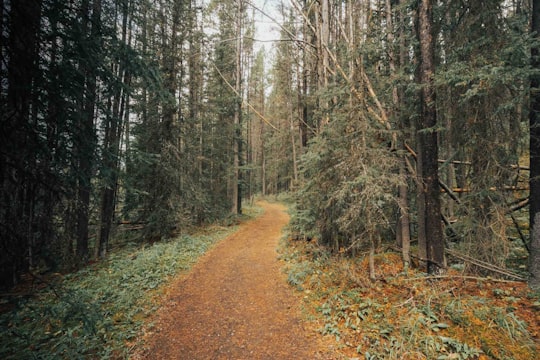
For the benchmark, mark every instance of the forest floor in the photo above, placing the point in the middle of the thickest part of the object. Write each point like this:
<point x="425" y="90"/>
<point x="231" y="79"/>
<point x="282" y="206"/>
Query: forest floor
<point x="236" y="304"/>
<point x="249" y="298"/>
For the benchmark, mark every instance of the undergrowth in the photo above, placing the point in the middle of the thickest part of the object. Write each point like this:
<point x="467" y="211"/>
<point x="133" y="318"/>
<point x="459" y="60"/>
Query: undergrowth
<point x="98" y="312"/>
<point x="411" y="316"/>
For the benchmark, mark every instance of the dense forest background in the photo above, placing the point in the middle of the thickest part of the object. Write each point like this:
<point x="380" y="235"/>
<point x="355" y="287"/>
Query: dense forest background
<point x="391" y="122"/>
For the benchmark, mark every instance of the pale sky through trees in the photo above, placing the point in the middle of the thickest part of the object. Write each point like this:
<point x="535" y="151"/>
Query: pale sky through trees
<point x="266" y="29"/>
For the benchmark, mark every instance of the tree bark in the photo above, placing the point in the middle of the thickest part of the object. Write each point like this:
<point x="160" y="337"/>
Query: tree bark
<point x="237" y="142"/>
<point x="324" y="40"/>
<point x="428" y="143"/>
<point x="17" y="141"/>
<point x="111" y="146"/>
<point x="534" y="124"/>
<point x="87" y="136"/>
<point x="403" y="237"/>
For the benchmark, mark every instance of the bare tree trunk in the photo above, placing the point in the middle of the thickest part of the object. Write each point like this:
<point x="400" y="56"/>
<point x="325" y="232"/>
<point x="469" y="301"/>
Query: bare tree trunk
<point x="371" y="260"/>
<point x="534" y="125"/>
<point x="324" y="34"/>
<point x="237" y="142"/>
<point x="111" y="146"/>
<point x="263" y="163"/>
<point x="17" y="188"/>
<point x="87" y="141"/>
<point x="404" y="220"/>
<point x="403" y="237"/>
<point x="428" y="144"/>
<point x="293" y="146"/>
<point x="262" y="143"/>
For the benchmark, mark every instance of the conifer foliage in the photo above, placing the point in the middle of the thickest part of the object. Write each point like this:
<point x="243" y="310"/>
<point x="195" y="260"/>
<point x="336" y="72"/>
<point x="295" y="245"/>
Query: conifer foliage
<point x="114" y="117"/>
<point x="390" y="121"/>
<point x="418" y="111"/>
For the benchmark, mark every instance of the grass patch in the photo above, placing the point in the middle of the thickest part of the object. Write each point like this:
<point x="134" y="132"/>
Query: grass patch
<point x="98" y="312"/>
<point x="406" y="316"/>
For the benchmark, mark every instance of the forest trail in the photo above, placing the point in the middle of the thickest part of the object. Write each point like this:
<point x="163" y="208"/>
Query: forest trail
<point x="236" y="304"/>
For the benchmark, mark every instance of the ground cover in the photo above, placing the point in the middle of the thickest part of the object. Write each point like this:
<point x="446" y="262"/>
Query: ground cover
<point x="99" y="311"/>
<point x="411" y="316"/>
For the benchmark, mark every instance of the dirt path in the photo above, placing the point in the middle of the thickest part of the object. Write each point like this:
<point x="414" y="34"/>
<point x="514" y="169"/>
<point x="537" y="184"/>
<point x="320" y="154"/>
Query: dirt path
<point x="235" y="303"/>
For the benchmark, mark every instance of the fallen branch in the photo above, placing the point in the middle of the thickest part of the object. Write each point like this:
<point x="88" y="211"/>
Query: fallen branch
<point x="520" y="205"/>
<point x="133" y="227"/>
<point x="457" y="162"/>
<point x="405" y="302"/>
<point x="504" y="188"/>
<point x="474" y="261"/>
<point x="484" y="265"/>
<point x="449" y="192"/>
<point x="465" y="277"/>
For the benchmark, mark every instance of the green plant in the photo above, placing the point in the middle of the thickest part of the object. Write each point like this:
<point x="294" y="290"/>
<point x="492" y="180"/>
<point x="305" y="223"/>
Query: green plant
<point x="97" y="311"/>
<point x="456" y="350"/>
<point x="298" y="273"/>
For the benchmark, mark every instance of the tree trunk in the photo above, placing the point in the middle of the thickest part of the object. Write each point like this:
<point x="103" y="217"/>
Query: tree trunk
<point x="534" y="124"/>
<point x="420" y="201"/>
<point x="17" y="144"/>
<point x="87" y="140"/>
<point x="428" y="144"/>
<point x="324" y="61"/>
<point x="111" y="146"/>
<point x="237" y="142"/>
<point x="404" y="220"/>
<point x="293" y="147"/>
<point x="402" y="229"/>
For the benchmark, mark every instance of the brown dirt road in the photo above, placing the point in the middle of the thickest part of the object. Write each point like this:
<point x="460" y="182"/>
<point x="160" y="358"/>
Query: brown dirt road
<point x="236" y="304"/>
